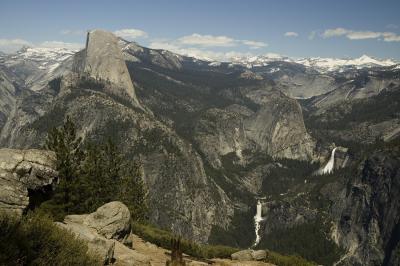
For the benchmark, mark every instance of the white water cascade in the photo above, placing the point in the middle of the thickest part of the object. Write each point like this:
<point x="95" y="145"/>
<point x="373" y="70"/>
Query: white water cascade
<point x="257" y="219"/>
<point x="330" y="165"/>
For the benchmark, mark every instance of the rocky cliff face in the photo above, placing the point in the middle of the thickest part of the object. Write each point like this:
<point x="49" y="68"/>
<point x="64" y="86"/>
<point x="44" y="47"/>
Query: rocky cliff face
<point x="7" y="96"/>
<point x="102" y="59"/>
<point x="22" y="173"/>
<point x="278" y="126"/>
<point x="368" y="220"/>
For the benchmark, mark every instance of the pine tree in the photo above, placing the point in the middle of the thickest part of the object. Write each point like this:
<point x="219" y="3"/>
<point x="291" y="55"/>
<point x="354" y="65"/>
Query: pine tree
<point x="92" y="175"/>
<point x="66" y="145"/>
<point x="133" y="191"/>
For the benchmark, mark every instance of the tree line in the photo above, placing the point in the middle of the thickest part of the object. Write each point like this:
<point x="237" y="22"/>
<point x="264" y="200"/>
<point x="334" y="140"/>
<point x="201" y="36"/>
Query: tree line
<point x="92" y="174"/>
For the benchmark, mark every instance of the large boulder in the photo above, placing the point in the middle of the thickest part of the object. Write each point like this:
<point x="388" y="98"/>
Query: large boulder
<point x="103" y="230"/>
<point x="249" y="255"/>
<point x="97" y="244"/>
<point x="242" y="255"/>
<point x="111" y="220"/>
<point x="24" y="172"/>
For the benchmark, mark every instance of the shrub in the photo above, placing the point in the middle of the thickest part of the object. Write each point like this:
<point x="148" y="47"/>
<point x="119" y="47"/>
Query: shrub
<point x="284" y="260"/>
<point x="35" y="240"/>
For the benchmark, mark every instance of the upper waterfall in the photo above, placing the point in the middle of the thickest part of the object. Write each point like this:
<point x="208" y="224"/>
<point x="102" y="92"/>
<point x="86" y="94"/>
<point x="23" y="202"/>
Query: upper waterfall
<point x="330" y="165"/>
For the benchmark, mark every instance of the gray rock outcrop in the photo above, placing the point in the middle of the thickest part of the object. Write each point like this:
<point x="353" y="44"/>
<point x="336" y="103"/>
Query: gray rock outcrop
<point x="103" y="59"/>
<point x="103" y="230"/>
<point x="249" y="255"/>
<point x="112" y="220"/>
<point x="22" y="171"/>
<point x="97" y="244"/>
<point x="368" y="213"/>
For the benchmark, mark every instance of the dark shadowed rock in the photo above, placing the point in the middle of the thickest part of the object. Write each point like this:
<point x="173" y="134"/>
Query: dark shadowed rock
<point x="368" y="223"/>
<point x="22" y="171"/>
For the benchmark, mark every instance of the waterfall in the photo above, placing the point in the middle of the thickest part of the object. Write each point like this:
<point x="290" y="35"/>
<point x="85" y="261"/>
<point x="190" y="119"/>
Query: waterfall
<point x="330" y="165"/>
<point x="257" y="219"/>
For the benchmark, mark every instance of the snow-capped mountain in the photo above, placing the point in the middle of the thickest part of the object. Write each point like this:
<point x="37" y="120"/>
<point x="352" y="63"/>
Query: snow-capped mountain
<point x="46" y="58"/>
<point x="335" y="64"/>
<point x="260" y="60"/>
<point x="35" y="66"/>
<point x="318" y="63"/>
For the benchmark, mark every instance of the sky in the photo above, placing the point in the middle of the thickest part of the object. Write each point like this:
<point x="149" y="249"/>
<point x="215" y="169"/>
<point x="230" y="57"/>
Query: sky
<point x="212" y="29"/>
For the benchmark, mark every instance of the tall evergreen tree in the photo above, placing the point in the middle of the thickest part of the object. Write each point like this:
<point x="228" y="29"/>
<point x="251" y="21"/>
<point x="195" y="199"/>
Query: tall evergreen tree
<point x="66" y="145"/>
<point x="92" y="175"/>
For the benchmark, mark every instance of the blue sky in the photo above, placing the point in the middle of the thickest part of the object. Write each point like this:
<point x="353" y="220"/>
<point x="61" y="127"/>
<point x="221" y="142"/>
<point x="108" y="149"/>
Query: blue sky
<point x="213" y="29"/>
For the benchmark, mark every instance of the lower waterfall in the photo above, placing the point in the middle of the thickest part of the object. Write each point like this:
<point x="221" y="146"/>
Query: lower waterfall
<point x="257" y="219"/>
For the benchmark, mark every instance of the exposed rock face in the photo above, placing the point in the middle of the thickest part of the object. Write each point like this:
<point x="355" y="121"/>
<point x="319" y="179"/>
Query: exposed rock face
<point x="286" y="214"/>
<point x="100" y="229"/>
<point x="275" y="127"/>
<point x="7" y="97"/>
<point x="368" y="224"/>
<point x="249" y="255"/>
<point x="103" y="59"/>
<point x="111" y="220"/>
<point x="22" y="171"/>
<point x="97" y="244"/>
<point x="278" y="126"/>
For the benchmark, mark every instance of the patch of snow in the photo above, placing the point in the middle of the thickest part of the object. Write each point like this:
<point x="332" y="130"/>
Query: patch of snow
<point x="214" y="64"/>
<point x="46" y="58"/>
<point x="336" y="64"/>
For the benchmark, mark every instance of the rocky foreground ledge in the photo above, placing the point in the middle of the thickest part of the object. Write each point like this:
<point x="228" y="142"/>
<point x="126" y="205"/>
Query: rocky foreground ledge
<point x="107" y="233"/>
<point x="24" y="172"/>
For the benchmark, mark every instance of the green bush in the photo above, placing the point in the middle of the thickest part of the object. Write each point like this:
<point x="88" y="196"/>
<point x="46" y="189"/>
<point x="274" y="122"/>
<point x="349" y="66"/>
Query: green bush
<point x="35" y="240"/>
<point x="284" y="260"/>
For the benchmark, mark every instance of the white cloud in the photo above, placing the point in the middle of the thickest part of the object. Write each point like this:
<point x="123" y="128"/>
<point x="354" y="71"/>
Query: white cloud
<point x="291" y="34"/>
<point x="200" y="46"/>
<point x="361" y="35"/>
<point x="165" y="45"/>
<point x="207" y="40"/>
<point x="392" y="26"/>
<point x="312" y="35"/>
<point x="12" y="45"/>
<point x="334" y="32"/>
<point x="72" y="32"/>
<point x="254" y="44"/>
<point x="390" y="37"/>
<point x="218" y="41"/>
<point x="131" y="34"/>
<point x="58" y="44"/>
<point x="200" y="53"/>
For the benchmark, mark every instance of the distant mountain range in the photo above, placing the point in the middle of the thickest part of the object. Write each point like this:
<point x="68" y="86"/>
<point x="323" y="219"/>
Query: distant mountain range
<point x="49" y="58"/>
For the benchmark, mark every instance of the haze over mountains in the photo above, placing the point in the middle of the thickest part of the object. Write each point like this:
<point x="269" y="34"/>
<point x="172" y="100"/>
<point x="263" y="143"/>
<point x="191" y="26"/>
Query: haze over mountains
<point x="216" y="138"/>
